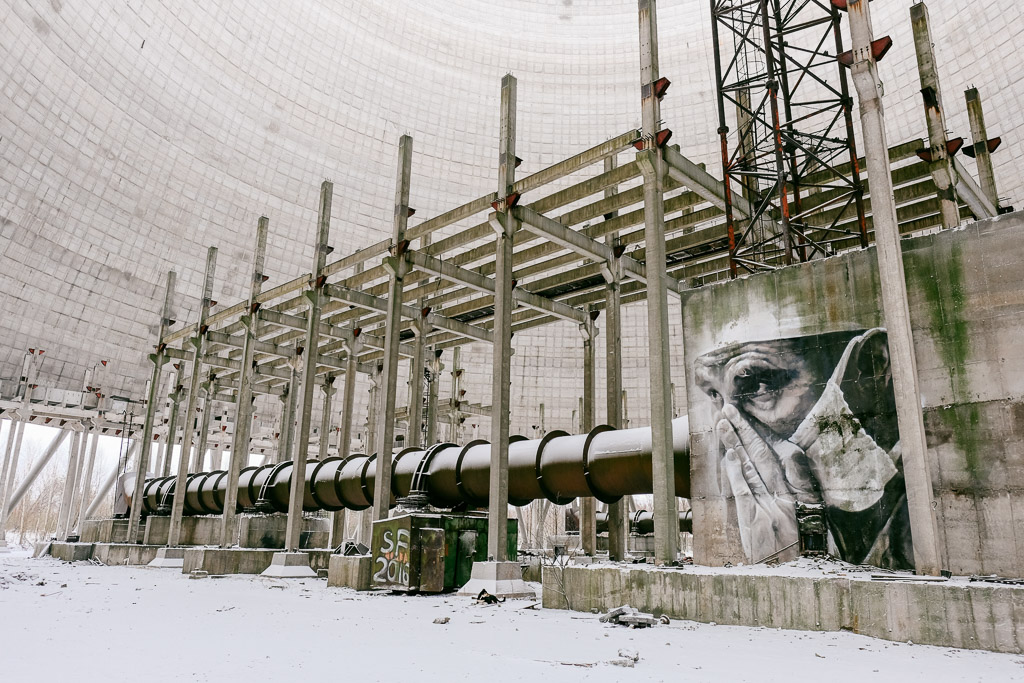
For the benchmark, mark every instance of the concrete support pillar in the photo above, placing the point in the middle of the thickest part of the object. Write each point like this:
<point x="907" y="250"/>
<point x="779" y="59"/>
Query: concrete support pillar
<point x="421" y="328"/>
<point x="666" y="518"/>
<point x="201" y="462"/>
<point x="398" y="265"/>
<point x="246" y="377"/>
<point x="309" y="358"/>
<point x="10" y="471"/>
<point x="189" y="433"/>
<point x="373" y="409"/>
<point x="351" y="365"/>
<point x="505" y="225"/>
<point x="432" y="394"/>
<point x="894" y="293"/>
<point x="454" y="418"/>
<point x="588" y="505"/>
<point x="172" y="421"/>
<point x="85" y="485"/>
<point x="979" y="138"/>
<point x="941" y="165"/>
<point x="162" y="455"/>
<point x="158" y="359"/>
<point x="617" y="531"/>
<point x="288" y="401"/>
<point x="161" y="443"/>
<point x="14" y="498"/>
<point x="325" y="416"/>
<point x="372" y="418"/>
<point x="67" y="498"/>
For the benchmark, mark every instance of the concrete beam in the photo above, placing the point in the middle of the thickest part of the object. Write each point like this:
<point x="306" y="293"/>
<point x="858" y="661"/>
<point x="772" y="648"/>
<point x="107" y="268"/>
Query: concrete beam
<point x="482" y="283"/>
<point x="694" y="177"/>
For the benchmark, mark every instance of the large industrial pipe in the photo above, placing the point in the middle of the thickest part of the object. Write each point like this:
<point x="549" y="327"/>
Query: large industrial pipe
<point x="605" y="464"/>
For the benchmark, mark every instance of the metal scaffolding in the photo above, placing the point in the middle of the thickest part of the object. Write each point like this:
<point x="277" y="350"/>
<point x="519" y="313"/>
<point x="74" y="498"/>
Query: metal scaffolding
<point x="793" y="186"/>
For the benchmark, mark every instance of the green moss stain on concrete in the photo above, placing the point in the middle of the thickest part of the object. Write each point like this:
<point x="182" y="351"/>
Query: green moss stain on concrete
<point x="945" y="295"/>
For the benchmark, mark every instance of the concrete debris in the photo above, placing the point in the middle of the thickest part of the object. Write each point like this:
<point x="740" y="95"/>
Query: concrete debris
<point x="198" y="574"/>
<point x="442" y="620"/>
<point x="628" y="616"/>
<point x="615" y="613"/>
<point x="627" y="658"/>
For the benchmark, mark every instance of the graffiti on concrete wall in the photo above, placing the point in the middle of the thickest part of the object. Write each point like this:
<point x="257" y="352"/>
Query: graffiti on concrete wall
<point x="810" y="420"/>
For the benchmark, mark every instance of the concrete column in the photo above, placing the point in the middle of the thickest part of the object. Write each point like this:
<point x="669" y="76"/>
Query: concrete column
<point x="288" y="407"/>
<point x="309" y="358"/>
<point x="894" y="293"/>
<point x="76" y="499"/>
<point x="162" y="444"/>
<point x="373" y="409"/>
<point x="240" y="439"/>
<point x="421" y="328"/>
<point x="200" y="460"/>
<point x="351" y="376"/>
<point x="398" y="265"/>
<point x="979" y="137"/>
<point x="454" y="419"/>
<point x="14" y="498"/>
<point x="102" y="491"/>
<point x="505" y="225"/>
<point x="588" y="505"/>
<point x="158" y="359"/>
<point x="188" y="437"/>
<point x="8" y="447"/>
<point x="325" y="416"/>
<point x="432" y="394"/>
<point x="85" y="485"/>
<point x="67" y="498"/>
<point x="941" y="165"/>
<point x="617" y="532"/>
<point x="162" y="455"/>
<point x="666" y="518"/>
<point x="372" y="418"/>
<point x="12" y="451"/>
<point x="172" y="421"/>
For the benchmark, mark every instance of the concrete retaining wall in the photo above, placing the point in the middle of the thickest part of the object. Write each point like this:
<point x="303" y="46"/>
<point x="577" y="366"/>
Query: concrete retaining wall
<point x="107" y="553"/>
<point x="950" y="614"/>
<point x="966" y="299"/>
<point x="241" y="560"/>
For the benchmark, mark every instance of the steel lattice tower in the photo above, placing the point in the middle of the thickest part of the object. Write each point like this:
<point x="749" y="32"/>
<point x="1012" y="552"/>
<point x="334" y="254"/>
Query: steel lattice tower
<point x="793" y="186"/>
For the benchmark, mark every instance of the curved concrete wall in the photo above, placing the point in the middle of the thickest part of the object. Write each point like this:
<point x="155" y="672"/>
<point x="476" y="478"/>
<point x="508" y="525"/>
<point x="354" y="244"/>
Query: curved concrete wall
<point x="134" y="135"/>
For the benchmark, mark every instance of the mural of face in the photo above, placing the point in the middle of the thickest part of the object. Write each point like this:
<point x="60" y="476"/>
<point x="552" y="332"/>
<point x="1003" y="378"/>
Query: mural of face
<point x="773" y="383"/>
<point x="810" y="419"/>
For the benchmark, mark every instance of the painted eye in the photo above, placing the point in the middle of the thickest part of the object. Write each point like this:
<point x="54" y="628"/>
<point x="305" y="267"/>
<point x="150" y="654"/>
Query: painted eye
<point x="760" y="381"/>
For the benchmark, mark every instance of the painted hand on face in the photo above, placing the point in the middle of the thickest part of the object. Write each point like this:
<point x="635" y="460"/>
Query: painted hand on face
<point x="765" y="502"/>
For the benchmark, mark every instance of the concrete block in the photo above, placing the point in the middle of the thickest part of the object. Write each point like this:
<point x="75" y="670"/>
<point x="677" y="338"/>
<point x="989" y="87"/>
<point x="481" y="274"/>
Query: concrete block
<point x="500" y="579"/>
<point x="289" y="566"/>
<point x="948" y="614"/>
<point x="350" y="571"/>
<point x="71" y="552"/>
<point x="124" y="553"/>
<point x="173" y="558"/>
<point x="226" y="560"/>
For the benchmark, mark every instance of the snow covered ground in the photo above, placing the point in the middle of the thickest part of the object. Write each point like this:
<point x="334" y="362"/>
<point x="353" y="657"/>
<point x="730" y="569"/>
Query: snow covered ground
<point x="81" y="622"/>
